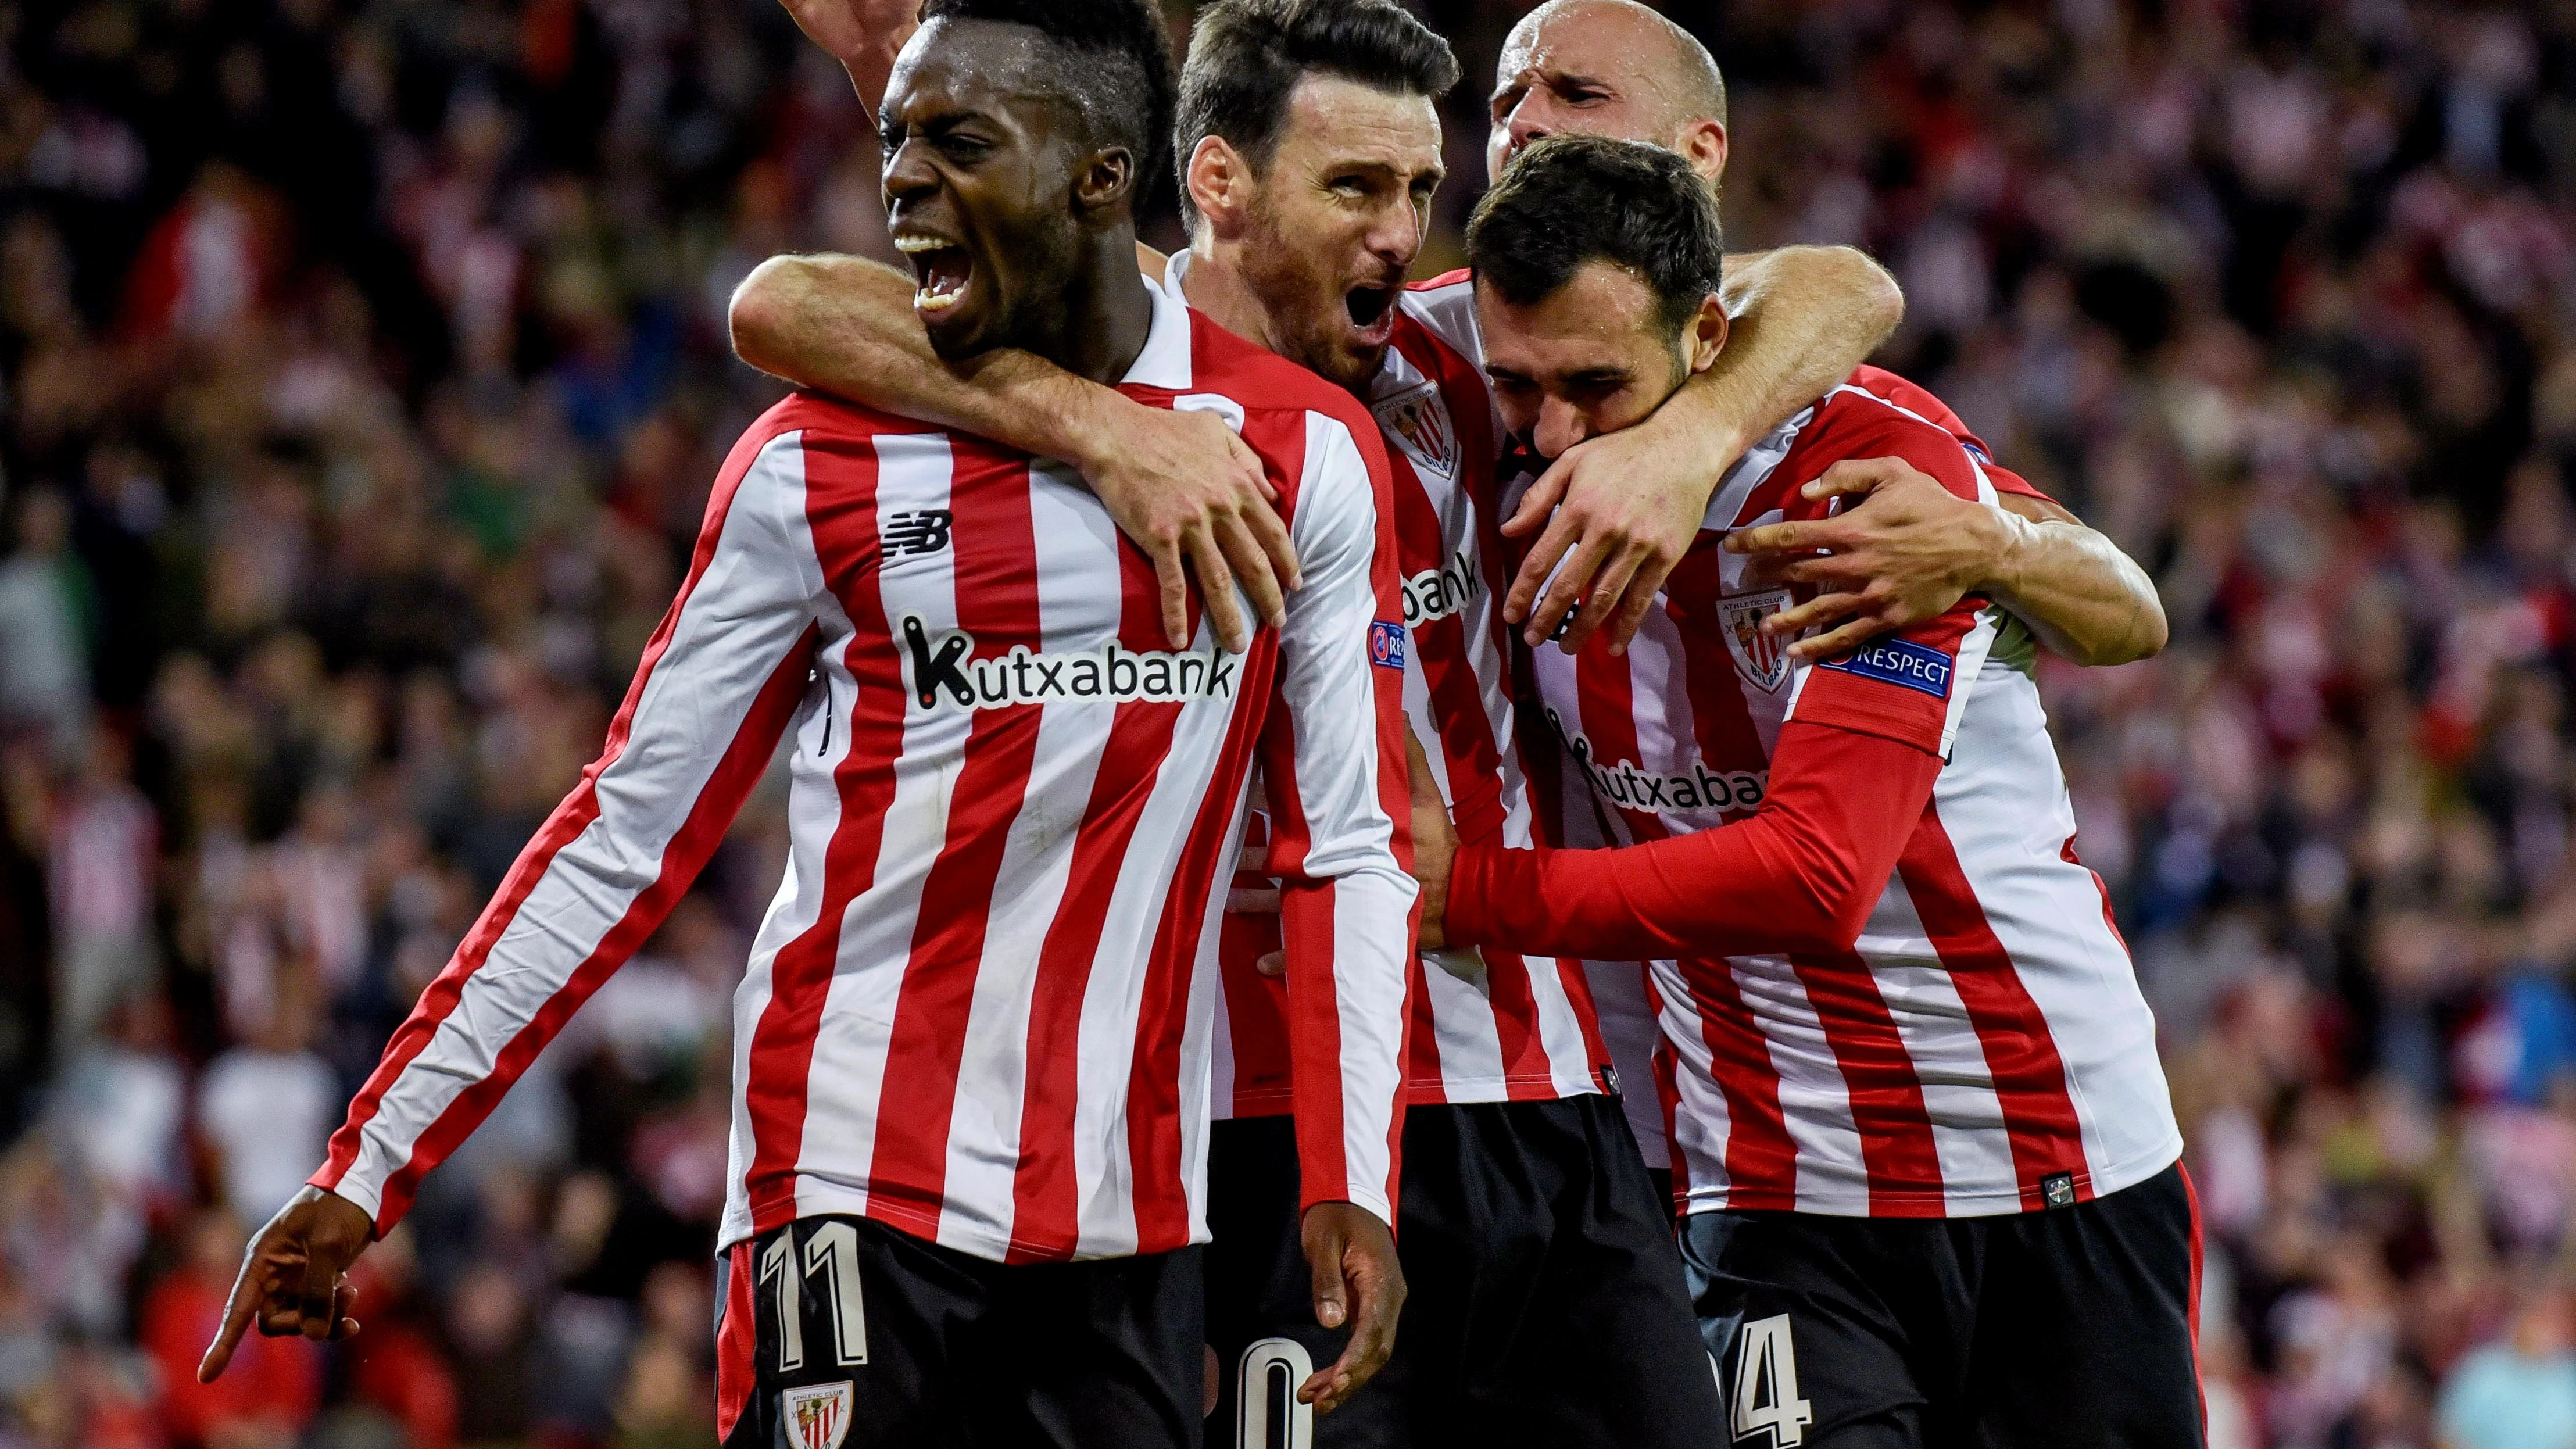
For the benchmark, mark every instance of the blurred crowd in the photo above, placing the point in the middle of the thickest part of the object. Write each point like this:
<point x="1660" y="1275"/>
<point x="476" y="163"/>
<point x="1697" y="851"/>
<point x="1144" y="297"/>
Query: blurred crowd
<point x="362" y="372"/>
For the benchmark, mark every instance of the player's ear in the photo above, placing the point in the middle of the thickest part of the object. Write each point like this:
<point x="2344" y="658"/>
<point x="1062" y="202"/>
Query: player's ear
<point x="1703" y="145"/>
<point x="1705" y="336"/>
<point x="1220" y="183"/>
<point x="1105" y="179"/>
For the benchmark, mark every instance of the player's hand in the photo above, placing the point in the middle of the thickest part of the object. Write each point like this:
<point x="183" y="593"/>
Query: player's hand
<point x="1628" y="505"/>
<point x="1358" y="1282"/>
<point x="294" y="1276"/>
<point x="1906" y="553"/>
<point x="1193" y="496"/>
<point x="1435" y="848"/>
<point x="851" y="28"/>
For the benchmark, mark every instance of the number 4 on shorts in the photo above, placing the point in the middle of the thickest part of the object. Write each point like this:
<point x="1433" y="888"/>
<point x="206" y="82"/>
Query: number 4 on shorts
<point x="1766" y="1385"/>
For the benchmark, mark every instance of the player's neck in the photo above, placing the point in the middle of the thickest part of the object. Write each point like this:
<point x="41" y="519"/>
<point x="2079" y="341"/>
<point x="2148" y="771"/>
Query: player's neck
<point x="1216" y="286"/>
<point x="1106" y="314"/>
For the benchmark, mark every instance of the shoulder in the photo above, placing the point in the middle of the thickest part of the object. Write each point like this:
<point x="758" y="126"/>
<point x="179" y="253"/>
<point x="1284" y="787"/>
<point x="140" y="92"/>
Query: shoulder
<point x="1279" y="400"/>
<point x="1855" y="422"/>
<point x="1459" y="280"/>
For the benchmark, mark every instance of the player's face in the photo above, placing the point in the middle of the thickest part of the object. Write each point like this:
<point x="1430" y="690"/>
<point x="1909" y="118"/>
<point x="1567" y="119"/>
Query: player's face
<point x="1586" y="69"/>
<point x="1592" y="358"/>
<point x="979" y="177"/>
<point x="1336" y="220"/>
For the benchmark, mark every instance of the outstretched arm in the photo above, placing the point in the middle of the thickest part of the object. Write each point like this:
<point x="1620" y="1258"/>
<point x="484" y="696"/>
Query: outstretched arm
<point x="1911" y="549"/>
<point x="1179" y="483"/>
<point x="718" y="684"/>
<point x="1628" y="504"/>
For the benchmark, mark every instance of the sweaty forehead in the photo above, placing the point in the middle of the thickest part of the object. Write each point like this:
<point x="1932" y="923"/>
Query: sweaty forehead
<point x="1610" y="45"/>
<point x="1345" y="120"/>
<point x="981" y="65"/>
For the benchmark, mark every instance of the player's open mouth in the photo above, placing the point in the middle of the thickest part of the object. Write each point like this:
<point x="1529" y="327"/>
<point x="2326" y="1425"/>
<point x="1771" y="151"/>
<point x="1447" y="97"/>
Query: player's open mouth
<point x="942" y="269"/>
<point x="1371" y="307"/>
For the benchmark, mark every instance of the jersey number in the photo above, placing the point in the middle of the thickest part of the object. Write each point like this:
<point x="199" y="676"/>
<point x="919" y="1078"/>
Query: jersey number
<point x="1266" y="1412"/>
<point x="832" y="1246"/>
<point x="1766" y="1385"/>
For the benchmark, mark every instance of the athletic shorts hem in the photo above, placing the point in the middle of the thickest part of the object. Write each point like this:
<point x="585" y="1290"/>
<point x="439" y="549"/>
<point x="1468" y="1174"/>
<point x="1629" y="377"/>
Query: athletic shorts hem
<point x="815" y="1200"/>
<point x="1927" y="1204"/>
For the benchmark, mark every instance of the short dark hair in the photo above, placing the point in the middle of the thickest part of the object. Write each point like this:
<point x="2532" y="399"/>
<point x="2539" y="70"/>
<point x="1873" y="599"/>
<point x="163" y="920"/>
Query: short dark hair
<point x="1573" y="199"/>
<point x="1246" y="56"/>
<point x="1119" y="66"/>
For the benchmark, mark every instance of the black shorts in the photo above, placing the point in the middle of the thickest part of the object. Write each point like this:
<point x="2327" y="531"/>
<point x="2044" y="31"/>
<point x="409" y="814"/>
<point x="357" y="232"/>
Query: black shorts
<point x="2070" y="1328"/>
<point x="1546" y="1304"/>
<point x="897" y="1342"/>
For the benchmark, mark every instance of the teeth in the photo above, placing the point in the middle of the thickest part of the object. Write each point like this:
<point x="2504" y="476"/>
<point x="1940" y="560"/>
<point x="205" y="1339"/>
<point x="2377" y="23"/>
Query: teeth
<point x="918" y="244"/>
<point x="929" y="301"/>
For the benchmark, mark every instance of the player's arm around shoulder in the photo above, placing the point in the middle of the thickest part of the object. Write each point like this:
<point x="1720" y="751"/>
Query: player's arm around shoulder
<point x="1178" y="483"/>
<point x="1901" y="546"/>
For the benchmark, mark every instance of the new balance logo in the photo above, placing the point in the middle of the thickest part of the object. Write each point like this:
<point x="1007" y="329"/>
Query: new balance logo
<point x="944" y="675"/>
<point x="921" y="531"/>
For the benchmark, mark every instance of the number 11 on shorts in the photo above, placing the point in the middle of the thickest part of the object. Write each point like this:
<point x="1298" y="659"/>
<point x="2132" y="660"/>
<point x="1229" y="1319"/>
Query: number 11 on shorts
<point x="1766" y="1385"/>
<point x="831" y="1249"/>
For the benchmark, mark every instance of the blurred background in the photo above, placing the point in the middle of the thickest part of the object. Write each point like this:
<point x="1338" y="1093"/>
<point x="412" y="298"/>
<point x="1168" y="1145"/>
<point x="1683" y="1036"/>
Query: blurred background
<point x="362" y="373"/>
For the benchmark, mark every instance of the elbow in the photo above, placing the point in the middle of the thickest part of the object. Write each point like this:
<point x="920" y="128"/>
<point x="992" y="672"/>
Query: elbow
<point x="1876" y="303"/>
<point x="758" y="316"/>
<point x="2145" y="638"/>
<point x="1881" y="300"/>
<point x="1830" y="919"/>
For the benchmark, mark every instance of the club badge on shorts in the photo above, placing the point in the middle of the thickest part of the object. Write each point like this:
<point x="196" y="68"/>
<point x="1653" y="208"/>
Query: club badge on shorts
<point x="817" y="1416"/>
<point x="1761" y="659"/>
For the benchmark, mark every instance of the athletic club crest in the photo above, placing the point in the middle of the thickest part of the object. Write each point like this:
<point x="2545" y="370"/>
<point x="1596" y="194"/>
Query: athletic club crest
<point x="1418" y="420"/>
<point x="1760" y="658"/>
<point x="816" y="1417"/>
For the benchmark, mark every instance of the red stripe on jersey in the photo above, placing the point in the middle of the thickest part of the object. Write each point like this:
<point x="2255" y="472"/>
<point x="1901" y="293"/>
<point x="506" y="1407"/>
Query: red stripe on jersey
<point x="1046" y="1209"/>
<point x="1609" y="727"/>
<point x="736" y="1342"/>
<point x="841" y="511"/>
<point x="1424" y="1083"/>
<point x="1466" y="738"/>
<point x="2067" y="854"/>
<point x="1526" y="1077"/>
<point x="1668" y="1093"/>
<point x="1720" y="719"/>
<point x="563" y="827"/>
<point x="1887" y="1107"/>
<point x="2029" y="1076"/>
<point x="996" y="561"/>
<point x="1158" y="1178"/>
<point x="1761" y="1161"/>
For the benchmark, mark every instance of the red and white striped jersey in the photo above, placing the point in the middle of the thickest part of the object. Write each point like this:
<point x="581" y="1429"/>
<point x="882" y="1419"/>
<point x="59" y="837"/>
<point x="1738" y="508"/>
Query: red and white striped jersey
<point x="974" y="1010"/>
<point x="1622" y="991"/>
<point x="1488" y="1026"/>
<point x="1984" y="1047"/>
